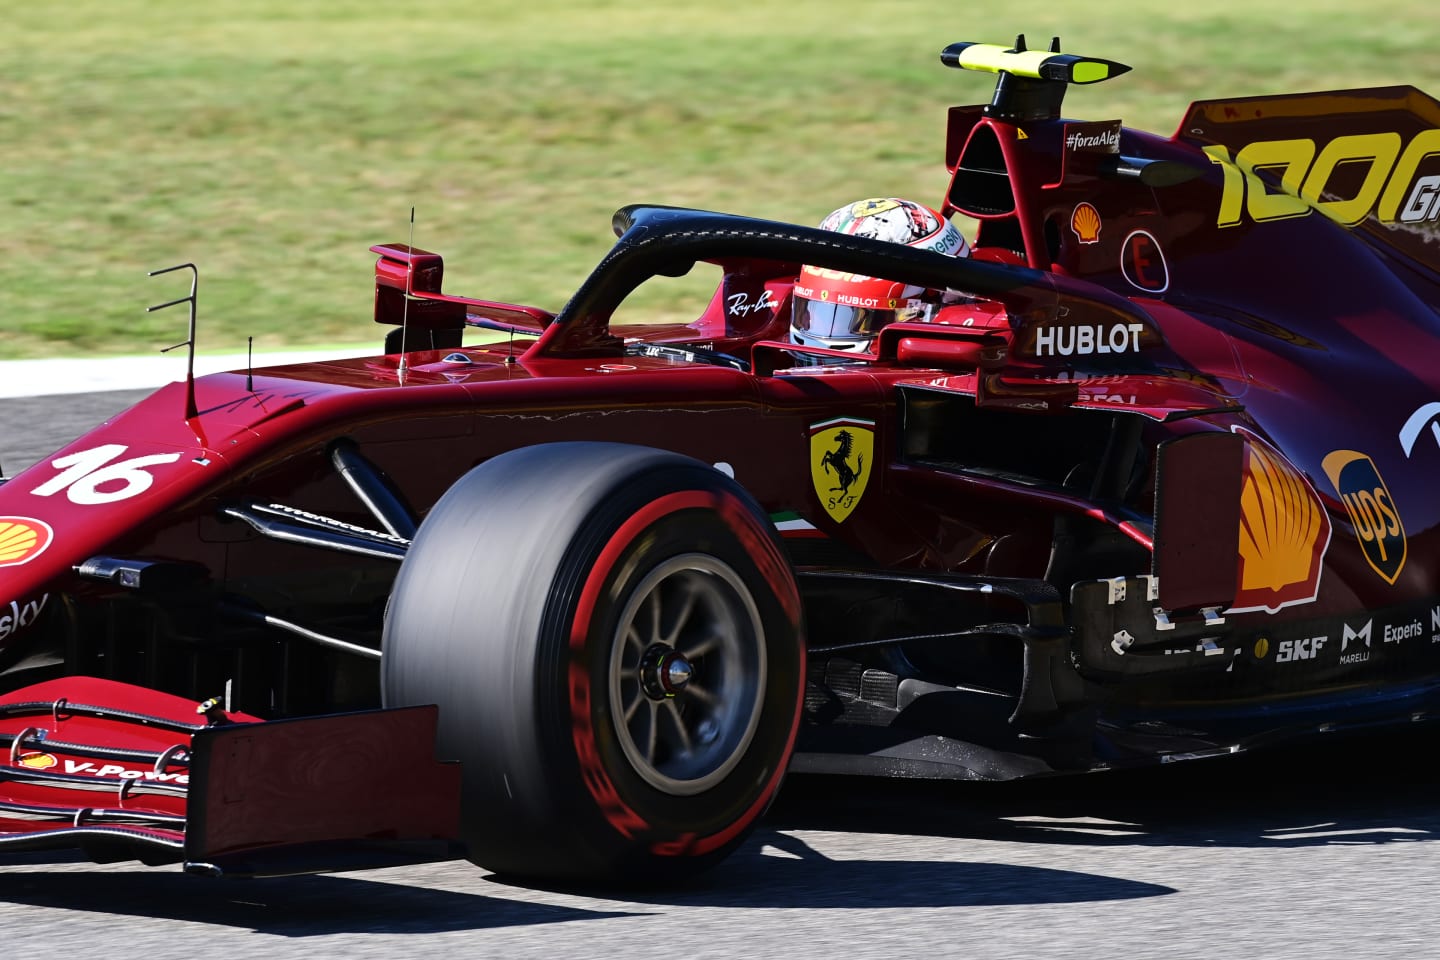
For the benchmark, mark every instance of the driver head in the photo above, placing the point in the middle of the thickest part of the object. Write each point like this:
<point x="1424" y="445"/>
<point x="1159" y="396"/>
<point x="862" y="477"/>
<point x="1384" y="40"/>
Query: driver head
<point x="844" y="311"/>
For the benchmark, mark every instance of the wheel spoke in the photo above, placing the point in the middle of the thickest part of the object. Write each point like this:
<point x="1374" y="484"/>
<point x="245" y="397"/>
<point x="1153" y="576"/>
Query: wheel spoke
<point x="635" y="641"/>
<point x="678" y="722"/>
<point x="652" y="734"/>
<point x="701" y="647"/>
<point x="632" y="703"/>
<point x="652" y="607"/>
<point x="693" y="689"/>
<point x="682" y="616"/>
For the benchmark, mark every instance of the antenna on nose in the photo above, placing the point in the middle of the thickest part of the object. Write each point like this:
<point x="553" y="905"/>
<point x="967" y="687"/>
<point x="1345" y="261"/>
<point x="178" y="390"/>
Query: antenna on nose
<point x="404" y="367"/>
<point x="190" y="409"/>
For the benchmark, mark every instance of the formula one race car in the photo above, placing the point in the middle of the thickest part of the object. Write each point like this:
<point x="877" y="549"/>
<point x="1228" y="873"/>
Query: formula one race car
<point x="570" y="604"/>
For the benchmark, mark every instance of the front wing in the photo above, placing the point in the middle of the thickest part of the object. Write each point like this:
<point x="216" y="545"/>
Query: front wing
<point x="125" y="773"/>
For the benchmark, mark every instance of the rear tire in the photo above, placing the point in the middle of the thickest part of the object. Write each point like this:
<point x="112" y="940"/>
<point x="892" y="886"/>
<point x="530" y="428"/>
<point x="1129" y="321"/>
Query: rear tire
<point x="613" y="636"/>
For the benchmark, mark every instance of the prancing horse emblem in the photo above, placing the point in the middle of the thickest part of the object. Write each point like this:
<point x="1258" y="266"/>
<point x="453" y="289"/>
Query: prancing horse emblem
<point x="840" y="450"/>
<point x="838" y="457"/>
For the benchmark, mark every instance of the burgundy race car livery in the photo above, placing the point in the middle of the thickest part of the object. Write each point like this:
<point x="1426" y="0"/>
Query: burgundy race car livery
<point x="571" y="602"/>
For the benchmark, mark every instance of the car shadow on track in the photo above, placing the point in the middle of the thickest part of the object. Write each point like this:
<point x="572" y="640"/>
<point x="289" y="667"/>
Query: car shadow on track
<point x="287" y="907"/>
<point x="798" y="878"/>
<point x="1375" y="789"/>
<point x="778" y="871"/>
<point x="1371" y="788"/>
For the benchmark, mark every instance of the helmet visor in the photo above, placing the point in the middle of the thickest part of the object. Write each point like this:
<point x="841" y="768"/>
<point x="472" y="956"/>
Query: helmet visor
<point x="835" y="321"/>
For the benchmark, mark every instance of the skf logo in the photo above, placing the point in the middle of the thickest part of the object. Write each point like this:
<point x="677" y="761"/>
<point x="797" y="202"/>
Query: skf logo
<point x="1372" y="511"/>
<point x="841" y="460"/>
<point x="1357" y="637"/>
<point x="1390" y="189"/>
<point x="1085" y="221"/>
<point x="1304" y="649"/>
<point x="22" y="540"/>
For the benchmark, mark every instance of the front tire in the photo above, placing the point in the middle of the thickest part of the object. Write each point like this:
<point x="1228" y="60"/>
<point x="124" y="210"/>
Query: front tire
<point x="613" y="636"/>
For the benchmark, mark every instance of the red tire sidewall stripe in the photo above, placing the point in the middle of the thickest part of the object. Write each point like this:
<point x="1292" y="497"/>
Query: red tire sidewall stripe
<point x="715" y="841"/>
<point x="597" y="780"/>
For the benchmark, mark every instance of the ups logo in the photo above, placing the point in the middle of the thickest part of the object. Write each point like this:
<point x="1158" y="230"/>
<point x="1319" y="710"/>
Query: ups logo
<point x="1372" y="510"/>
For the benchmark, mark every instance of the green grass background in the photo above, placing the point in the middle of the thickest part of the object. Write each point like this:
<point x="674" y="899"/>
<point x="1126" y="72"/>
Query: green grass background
<point x="272" y="142"/>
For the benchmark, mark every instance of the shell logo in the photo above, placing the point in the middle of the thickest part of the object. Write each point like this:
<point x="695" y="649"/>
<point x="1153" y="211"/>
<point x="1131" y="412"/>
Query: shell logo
<point x="1085" y="221"/>
<point x="1284" y="533"/>
<point x="37" y="761"/>
<point x="22" y="540"/>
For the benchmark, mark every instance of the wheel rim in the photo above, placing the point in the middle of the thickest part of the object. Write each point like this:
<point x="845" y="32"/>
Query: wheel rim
<point x="687" y="674"/>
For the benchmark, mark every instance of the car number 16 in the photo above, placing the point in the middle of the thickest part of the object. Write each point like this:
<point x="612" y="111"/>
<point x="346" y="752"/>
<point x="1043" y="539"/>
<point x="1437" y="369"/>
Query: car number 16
<point x="85" y="473"/>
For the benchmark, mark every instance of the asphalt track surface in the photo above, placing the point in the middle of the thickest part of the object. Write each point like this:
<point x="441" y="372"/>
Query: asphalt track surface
<point x="1317" y="852"/>
<point x="31" y="427"/>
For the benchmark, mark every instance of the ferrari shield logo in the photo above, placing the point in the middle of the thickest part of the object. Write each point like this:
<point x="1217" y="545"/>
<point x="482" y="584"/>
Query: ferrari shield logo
<point x="841" y="458"/>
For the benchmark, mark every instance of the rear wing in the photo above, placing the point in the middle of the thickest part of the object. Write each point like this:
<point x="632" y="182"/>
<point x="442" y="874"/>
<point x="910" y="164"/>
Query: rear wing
<point x="1366" y="159"/>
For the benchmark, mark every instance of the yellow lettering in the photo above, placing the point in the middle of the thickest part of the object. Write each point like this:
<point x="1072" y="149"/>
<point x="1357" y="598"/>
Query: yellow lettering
<point x="1303" y="183"/>
<point x="1425" y="144"/>
<point x="831" y="274"/>
<point x="1232" y="195"/>
<point x="1380" y="149"/>
<point x="1294" y="157"/>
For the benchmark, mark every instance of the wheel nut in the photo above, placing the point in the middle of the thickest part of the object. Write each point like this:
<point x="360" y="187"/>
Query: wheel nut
<point x="677" y="673"/>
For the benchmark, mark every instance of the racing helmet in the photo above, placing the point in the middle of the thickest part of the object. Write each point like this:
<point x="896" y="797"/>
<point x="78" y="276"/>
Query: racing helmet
<point x="844" y="311"/>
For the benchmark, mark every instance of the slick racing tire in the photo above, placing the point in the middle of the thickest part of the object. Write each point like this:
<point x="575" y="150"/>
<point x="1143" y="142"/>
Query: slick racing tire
<point x="613" y="637"/>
